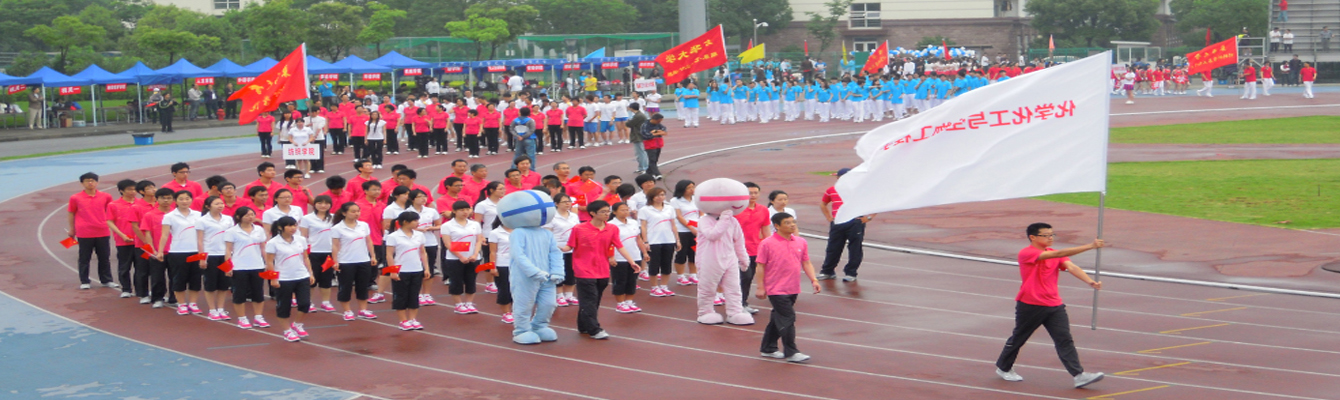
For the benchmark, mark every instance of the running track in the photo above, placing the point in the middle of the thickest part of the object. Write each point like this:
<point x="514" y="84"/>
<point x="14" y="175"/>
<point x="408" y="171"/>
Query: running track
<point x="917" y="326"/>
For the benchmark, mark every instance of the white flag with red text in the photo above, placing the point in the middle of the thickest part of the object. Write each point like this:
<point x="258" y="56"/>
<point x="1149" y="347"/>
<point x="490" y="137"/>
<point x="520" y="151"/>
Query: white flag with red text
<point x="1039" y="133"/>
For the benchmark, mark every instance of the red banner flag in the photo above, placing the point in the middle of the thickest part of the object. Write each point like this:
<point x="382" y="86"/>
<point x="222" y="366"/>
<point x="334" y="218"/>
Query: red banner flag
<point x="204" y="81"/>
<point x="69" y="90"/>
<point x="372" y="77"/>
<point x="270" y="275"/>
<point x="699" y="54"/>
<point x="944" y="45"/>
<point x="286" y="81"/>
<point x="413" y="71"/>
<point x="116" y="87"/>
<point x="68" y="242"/>
<point x="227" y="266"/>
<point x="1213" y="56"/>
<point x="391" y="269"/>
<point x="328" y="77"/>
<point x="807" y="48"/>
<point x="484" y="267"/>
<point x="15" y="89"/>
<point x="453" y="70"/>
<point x="878" y="59"/>
<point x="330" y="263"/>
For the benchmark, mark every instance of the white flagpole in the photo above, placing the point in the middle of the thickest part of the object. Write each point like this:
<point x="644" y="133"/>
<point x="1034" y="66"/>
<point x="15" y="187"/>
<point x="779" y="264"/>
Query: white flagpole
<point x="1098" y="259"/>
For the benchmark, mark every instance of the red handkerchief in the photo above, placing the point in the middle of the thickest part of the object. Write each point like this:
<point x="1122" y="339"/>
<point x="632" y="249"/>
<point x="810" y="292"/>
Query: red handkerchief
<point x="330" y="263"/>
<point x="270" y="275"/>
<point x="68" y="242"/>
<point x="610" y="252"/>
<point x="460" y="247"/>
<point x="484" y="267"/>
<point x="227" y="266"/>
<point x="391" y="269"/>
<point x="197" y="257"/>
<point x="693" y="224"/>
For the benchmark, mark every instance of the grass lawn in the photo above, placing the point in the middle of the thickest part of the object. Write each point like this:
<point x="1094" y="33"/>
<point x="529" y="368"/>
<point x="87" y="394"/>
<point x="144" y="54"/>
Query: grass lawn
<point x="1260" y="192"/>
<point x="1298" y="130"/>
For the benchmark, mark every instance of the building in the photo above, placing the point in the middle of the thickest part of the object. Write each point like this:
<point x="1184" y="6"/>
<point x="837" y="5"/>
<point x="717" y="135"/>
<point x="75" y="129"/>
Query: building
<point x="211" y="7"/>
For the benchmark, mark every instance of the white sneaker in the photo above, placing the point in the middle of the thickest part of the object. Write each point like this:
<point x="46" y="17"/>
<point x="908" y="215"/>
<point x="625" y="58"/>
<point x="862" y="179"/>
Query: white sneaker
<point x="1009" y="375"/>
<point x="144" y="300"/>
<point x="605" y="335"/>
<point x="85" y="286"/>
<point x="1086" y="378"/>
<point x="798" y="358"/>
<point x="776" y="354"/>
<point x="126" y="295"/>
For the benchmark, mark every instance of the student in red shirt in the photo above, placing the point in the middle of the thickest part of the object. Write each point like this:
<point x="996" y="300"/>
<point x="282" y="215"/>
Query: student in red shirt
<point x="510" y="114"/>
<point x="231" y="201"/>
<point x="302" y="197"/>
<point x="1249" y="79"/>
<point x="265" y="127"/>
<point x="88" y="225"/>
<point x="459" y="168"/>
<point x="585" y="191"/>
<point x="336" y="121"/>
<point x="1039" y="303"/>
<point x="576" y="124"/>
<point x="392" y="119"/>
<point x="850" y="234"/>
<point x="1309" y="76"/>
<point x="150" y="229"/>
<point x="492" y="120"/>
<point x="473" y="123"/>
<point x="475" y="183"/>
<point x="358" y="132"/>
<point x="513" y="182"/>
<point x="756" y="226"/>
<point x="406" y="177"/>
<point x="336" y="190"/>
<point x="212" y="189"/>
<point x="355" y="186"/>
<point x="460" y="112"/>
<point x="529" y="178"/>
<point x="781" y="258"/>
<point x="439" y="115"/>
<point x="454" y="186"/>
<point x="554" y="123"/>
<point x="120" y="214"/>
<point x="266" y="171"/>
<point x="422" y="129"/>
<point x="591" y="261"/>
<point x="181" y="180"/>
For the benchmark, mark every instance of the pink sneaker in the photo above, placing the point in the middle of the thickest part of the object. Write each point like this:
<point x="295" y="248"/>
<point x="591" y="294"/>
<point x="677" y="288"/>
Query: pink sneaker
<point x="694" y="279"/>
<point x="194" y="308"/>
<point x="666" y="292"/>
<point x="562" y="301"/>
<point x="633" y="306"/>
<point x="291" y="336"/>
<point x="507" y="318"/>
<point x="656" y="291"/>
<point x="417" y="325"/>
<point x="365" y="314"/>
<point x="683" y="281"/>
<point x="491" y="288"/>
<point x="573" y="302"/>
<point x="472" y="308"/>
<point x="260" y="322"/>
<point x="622" y="309"/>
<point x="349" y="316"/>
<point x="295" y="303"/>
<point x="720" y="301"/>
<point x="644" y="276"/>
<point x="223" y="315"/>
<point x="214" y="315"/>
<point x="183" y="310"/>
<point x="462" y="309"/>
<point x="377" y="298"/>
<point x="427" y="300"/>
<point x="243" y="323"/>
<point x="327" y="307"/>
<point x="298" y="329"/>
<point x="406" y="326"/>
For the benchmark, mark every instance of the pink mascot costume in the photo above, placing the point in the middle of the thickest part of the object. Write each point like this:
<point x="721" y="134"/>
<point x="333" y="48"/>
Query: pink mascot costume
<point x="721" y="254"/>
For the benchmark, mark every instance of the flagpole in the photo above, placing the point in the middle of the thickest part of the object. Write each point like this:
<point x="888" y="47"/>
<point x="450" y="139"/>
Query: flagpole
<point x="1098" y="259"/>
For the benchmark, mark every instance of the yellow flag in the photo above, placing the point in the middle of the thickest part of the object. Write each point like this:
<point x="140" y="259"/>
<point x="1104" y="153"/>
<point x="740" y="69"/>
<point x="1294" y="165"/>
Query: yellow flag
<point x="753" y="54"/>
<point x="844" y="52"/>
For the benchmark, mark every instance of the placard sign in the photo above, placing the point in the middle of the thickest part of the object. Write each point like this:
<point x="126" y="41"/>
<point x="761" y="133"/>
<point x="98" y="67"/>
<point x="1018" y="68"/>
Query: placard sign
<point x="609" y="65"/>
<point x="497" y="68"/>
<point x="535" y="68"/>
<point x="413" y="71"/>
<point x="209" y="80"/>
<point x="245" y="80"/>
<point x="572" y="67"/>
<point x="328" y="77"/>
<point x="116" y="87"/>
<point x="372" y="77"/>
<point x="646" y="64"/>
<point x="644" y="85"/>
<point x="69" y="90"/>
<point x="308" y="151"/>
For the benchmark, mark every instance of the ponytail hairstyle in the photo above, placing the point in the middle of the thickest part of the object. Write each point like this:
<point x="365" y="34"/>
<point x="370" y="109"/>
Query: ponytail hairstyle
<point x="395" y="193"/>
<point x="208" y="200"/>
<point x="280" y="224"/>
<point x="488" y="190"/>
<point x="339" y="215"/>
<point x="773" y="196"/>
<point x="405" y="218"/>
<point x="240" y="213"/>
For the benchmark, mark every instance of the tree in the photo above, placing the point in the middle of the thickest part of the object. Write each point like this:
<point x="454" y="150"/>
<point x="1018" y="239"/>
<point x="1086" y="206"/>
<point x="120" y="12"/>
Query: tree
<point x="172" y="42"/>
<point x="518" y="16"/>
<point x="655" y="15"/>
<point x="381" y="25"/>
<point x="1225" y="17"/>
<point x="275" y="27"/>
<point x="824" y="26"/>
<point x="97" y="15"/>
<point x="934" y="40"/>
<point x="64" y="33"/>
<point x="17" y="16"/>
<point x="335" y="27"/>
<point x="430" y="17"/>
<point x="478" y="29"/>
<point x="737" y="16"/>
<point x="27" y="63"/>
<point x="1094" y="23"/>
<point x="584" y="16"/>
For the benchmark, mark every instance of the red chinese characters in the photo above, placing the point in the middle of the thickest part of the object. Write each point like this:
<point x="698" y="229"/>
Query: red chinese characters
<point x="1022" y="115"/>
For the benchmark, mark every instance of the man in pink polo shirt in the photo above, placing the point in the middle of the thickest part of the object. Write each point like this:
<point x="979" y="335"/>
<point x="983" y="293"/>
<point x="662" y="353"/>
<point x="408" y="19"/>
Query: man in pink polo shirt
<point x="850" y="234"/>
<point x="591" y="261"/>
<point x="88" y="225"/>
<point x="181" y="180"/>
<point x="476" y="182"/>
<point x="1039" y="303"/>
<point x="266" y="179"/>
<point x="781" y="258"/>
<point x="355" y="185"/>
<point x="754" y="222"/>
<point x="459" y="168"/>
<point x="120" y="214"/>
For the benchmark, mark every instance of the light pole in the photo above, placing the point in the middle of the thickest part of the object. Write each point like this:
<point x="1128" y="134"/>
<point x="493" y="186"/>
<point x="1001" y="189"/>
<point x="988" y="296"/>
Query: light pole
<point x="756" y="26"/>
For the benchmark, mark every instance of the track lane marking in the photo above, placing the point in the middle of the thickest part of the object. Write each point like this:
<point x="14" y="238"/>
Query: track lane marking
<point x="1133" y="372"/>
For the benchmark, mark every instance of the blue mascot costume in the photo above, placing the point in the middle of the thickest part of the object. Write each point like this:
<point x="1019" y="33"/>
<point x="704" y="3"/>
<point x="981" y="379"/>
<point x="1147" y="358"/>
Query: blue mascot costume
<point x="537" y="264"/>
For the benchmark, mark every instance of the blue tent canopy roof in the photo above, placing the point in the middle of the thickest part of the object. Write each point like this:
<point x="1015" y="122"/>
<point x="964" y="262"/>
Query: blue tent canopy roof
<point x="354" y="64"/>
<point x="98" y="75"/>
<point x="260" y="66"/>
<point x="141" y="74"/>
<point x="397" y="61"/>
<point x="182" y="69"/>
<point x="49" y="77"/>
<point x="319" y="66"/>
<point x="227" y="69"/>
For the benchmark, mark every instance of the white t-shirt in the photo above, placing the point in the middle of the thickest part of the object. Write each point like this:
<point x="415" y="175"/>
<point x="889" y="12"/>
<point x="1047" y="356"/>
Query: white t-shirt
<point x="274" y="214"/>
<point x="289" y="257"/>
<point x="607" y="111"/>
<point x="501" y="238"/>
<point x="300" y="135"/>
<point x="183" y="231"/>
<point x="427" y="218"/>
<point x="468" y="233"/>
<point x="247" y="247"/>
<point x="1128" y="79"/>
<point x="470" y="102"/>
<point x="488" y="210"/>
<point x="687" y="208"/>
<point x="660" y="224"/>
<point x="319" y="232"/>
<point x="377" y="130"/>
<point x="213" y="230"/>
<point x="319" y="127"/>
<point x="515" y="83"/>
<point x="628" y="233"/>
<point x="561" y="227"/>
<point x="654" y="100"/>
<point x="406" y="250"/>
<point x="391" y="212"/>
<point x="353" y="242"/>
<point x="636" y="202"/>
<point x="773" y="211"/>
<point x="620" y="108"/>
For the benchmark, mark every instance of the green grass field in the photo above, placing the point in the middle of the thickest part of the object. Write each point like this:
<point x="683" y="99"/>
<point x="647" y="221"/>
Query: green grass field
<point x="1305" y="193"/>
<point x="1299" y="130"/>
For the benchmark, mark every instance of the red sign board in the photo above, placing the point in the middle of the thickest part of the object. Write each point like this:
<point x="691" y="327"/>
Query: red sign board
<point x="69" y="90"/>
<point x="646" y="64"/>
<point x="572" y="67"/>
<point x="453" y="70"/>
<point x="497" y="68"/>
<point x="372" y="77"/>
<point x="328" y="77"/>
<point x="16" y="88"/>
<point x="535" y="68"/>
<point x="116" y="87"/>
<point x="204" y="81"/>
<point x="609" y="65"/>
<point x="413" y="71"/>
<point x="245" y="80"/>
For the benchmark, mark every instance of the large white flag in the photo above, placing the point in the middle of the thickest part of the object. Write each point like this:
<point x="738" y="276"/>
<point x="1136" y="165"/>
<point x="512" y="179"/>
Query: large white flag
<point x="1035" y="134"/>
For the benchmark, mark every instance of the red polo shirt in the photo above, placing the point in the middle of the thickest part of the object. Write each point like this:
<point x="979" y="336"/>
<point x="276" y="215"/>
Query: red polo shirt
<point x="90" y="214"/>
<point x="190" y="186"/>
<point x="122" y="213"/>
<point x="831" y="196"/>
<point x="590" y="254"/>
<point x="752" y="220"/>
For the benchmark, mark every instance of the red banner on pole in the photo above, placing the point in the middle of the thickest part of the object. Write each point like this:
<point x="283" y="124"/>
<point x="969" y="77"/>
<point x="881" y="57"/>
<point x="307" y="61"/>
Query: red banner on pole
<point x="878" y="59"/>
<point x="116" y="87"/>
<point x="372" y="77"/>
<point x="209" y="80"/>
<point x="453" y="70"/>
<point x="16" y="88"/>
<point x="497" y="68"/>
<point x="699" y="54"/>
<point x="285" y="81"/>
<point x="413" y="71"/>
<point x="609" y="65"/>
<point x="535" y="68"/>
<point x="328" y="77"/>
<point x="245" y="80"/>
<point x="646" y="64"/>
<point x="1213" y="56"/>
<point x="69" y="90"/>
<point x="572" y="67"/>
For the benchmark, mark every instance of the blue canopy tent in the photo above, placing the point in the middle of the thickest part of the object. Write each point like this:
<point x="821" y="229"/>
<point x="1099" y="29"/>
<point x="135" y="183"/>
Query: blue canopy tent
<point x="97" y="76"/>
<point x="260" y="66"/>
<point x="141" y="74"/>
<point x="49" y="77"/>
<point x="395" y="60"/>
<point x="316" y="66"/>
<point x="357" y="65"/>
<point x="180" y="71"/>
<point x="227" y="69"/>
<point x="455" y="67"/>
<point x="538" y="65"/>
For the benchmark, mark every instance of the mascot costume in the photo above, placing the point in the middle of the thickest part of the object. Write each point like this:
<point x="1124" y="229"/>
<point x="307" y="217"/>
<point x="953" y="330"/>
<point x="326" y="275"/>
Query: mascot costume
<point x="537" y="264"/>
<point x="721" y="253"/>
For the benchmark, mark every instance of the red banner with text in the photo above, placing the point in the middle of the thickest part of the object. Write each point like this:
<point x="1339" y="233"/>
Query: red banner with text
<point x="413" y="71"/>
<point x="328" y="77"/>
<point x="69" y="90"/>
<point x="1213" y="56"/>
<point x="209" y="80"/>
<point x="372" y="77"/>
<point x="116" y="87"/>
<point x="699" y="54"/>
<point x="15" y="89"/>
<point x="453" y="70"/>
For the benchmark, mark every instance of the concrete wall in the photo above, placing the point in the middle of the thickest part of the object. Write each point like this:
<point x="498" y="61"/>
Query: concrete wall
<point x="1000" y="34"/>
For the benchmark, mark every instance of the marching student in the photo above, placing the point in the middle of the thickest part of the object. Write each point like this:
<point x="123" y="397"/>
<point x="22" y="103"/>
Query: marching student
<point x="358" y="132"/>
<point x="1309" y="76"/>
<point x="377" y="137"/>
<point x="213" y="225"/>
<point x="658" y="231"/>
<point x="283" y="208"/>
<point x="405" y="248"/>
<point x="486" y="212"/>
<point x="561" y="226"/>
<point x="372" y="209"/>
<point x="686" y="225"/>
<point x="440" y="119"/>
<point x="244" y="245"/>
<point x="500" y="251"/>
<point x="492" y="121"/>
<point x="554" y="125"/>
<point x="181" y="180"/>
<point x="777" y="203"/>
<point x="577" y="116"/>
<point x="465" y="239"/>
<point x="143" y="245"/>
<point x="265" y="173"/>
<point x="473" y="124"/>
<point x="754" y="222"/>
<point x="422" y="130"/>
<point x="302" y="197"/>
<point x="624" y="273"/>
<point x="89" y="226"/>
<point x="176" y="245"/>
<point x="351" y="248"/>
<point x="265" y="127"/>
<point x="460" y="112"/>
<point x="430" y="224"/>
<point x="781" y="258"/>
<point x="318" y="226"/>
<point x="121" y="213"/>
<point x="285" y="253"/>
<point x="590" y="261"/>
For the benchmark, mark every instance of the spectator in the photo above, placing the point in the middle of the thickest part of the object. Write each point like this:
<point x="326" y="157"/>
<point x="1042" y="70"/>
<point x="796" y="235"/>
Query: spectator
<point x="1288" y="40"/>
<point x="1295" y="67"/>
<point x="1325" y="36"/>
<point x="35" y="101"/>
<point x="193" y="98"/>
<point x="211" y="102"/>
<point x="1275" y="36"/>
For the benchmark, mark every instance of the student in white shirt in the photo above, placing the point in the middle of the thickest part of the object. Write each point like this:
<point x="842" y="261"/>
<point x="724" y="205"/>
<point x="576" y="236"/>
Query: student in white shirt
<point x="405" y="247"/>
<point x="285" y="253"/>
<point x="320" y="131"/>
<point x="686" y="221"/>
<point x="777" y="201"/>
<point x="465" y="240"/>
<point x="376" y="139"/>
<point x="301" y="134"/>
<point x="212" y="226"/>
<point x="284" y="207"/>
<point x="500" y="251"/>
<point x="658" y="231"/>
<point x="351" y="246"/>
<point x="179" y="227"/>
<point x="486" y="211"/>
<point x="624" y="273"/>
<point x="561" y="226"/>
<point x="317" y="227"/>
<point x="244" y="245"/>
<point x="430" y="224"/>
<point x="620" y="109"/>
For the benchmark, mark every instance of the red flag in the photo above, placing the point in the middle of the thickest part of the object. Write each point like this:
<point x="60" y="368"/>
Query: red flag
<point x="1208" y="36"/>
<point x="1213" y="56"/>
<point x="460" y="247"/>
<point x="197" y="257"/>
<point x="944" y="45"/>
<point x="807" y="48"/>
<point x="878" y="59"/>
<point x="330" y="263"/>
<point x="148" y="250"/>
<point x="270" y="275"/>
<point x="286" y="81"/>
<point x="699" y="54"/>
<point x="227" y="266"/>
<point x="391" y="269"/>
<point x="484" y="267"/>
<point x="1051" y="44"/>
<point x="68" y="242"/>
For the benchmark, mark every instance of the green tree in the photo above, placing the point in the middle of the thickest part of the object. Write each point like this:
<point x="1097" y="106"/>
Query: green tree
<point x="934" y="40"/>
<point x="1094" y="23"/>
<point x="655" y="15"/>
<point x="27" y="63"/>
<point x="518" y="16"/>
<point x="64" y="33"/>
<point x="172" y="43"/>
<point x="17" y="16"/>
<point x="1223" y="17"/>
<point x="737" y="16"/>
<point x="335" y="28"/>
<point x="430" y="17"/>
<point x="478" y="29"/>
<point x="584" y="16"/>
<point x="100" y="16"/>
<point x="275" y="27"/>
<point x="824" y="26"/>
<point x="381" y="25"/>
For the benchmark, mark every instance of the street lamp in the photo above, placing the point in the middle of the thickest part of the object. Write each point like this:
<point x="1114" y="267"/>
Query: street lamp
<point x="756" y="26"/>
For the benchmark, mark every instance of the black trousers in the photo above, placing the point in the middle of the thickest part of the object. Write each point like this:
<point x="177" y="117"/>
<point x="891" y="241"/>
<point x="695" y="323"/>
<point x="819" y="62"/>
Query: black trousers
<point x="653" y="157"/>
<point x="102" y="246"/>
<point x="409" y="137"/>
<point x="374" y="151"/>
<point x="472" y="143"/>
<point x="216" y="279"/>
<point x="660" y="259"/>
<point x="1027" y="318"/>
<point x="850" y="234"/>
<point x="781" y="325"/>
<point x="576" y="137"/>
<point x="151" y="281"/>
<point x="462" y="276"/>
<point x="491" y="138"/>
<point x="287" y="291"/>
<point x="439" y="140"/>
<point x="354" y="281"/>
<point x="747" y="280"/>
<point x="267" y="142"/>
<point x="230" y="111"/>
<point x="504" y="283"/>
<point x="319" y="164"/>
<point x="392" y="141"/>
<point x="248" y="286"/>
<point x="460" y="135"/>
<point x="360" y="145"/>
<point x="185" y="274"/>
<point x="165" y="119"/>
<point x="555" y="138"/>
<point x="405" y="292"/>
<point x="511" y="137"/>
<point x="421" y="142"/>
<point x="623" y="278"/>
<point x="338" y="140"/>
<point x="125" y="267"/>
<point x="324" y="279"/>
<point x="589" y="292"/>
